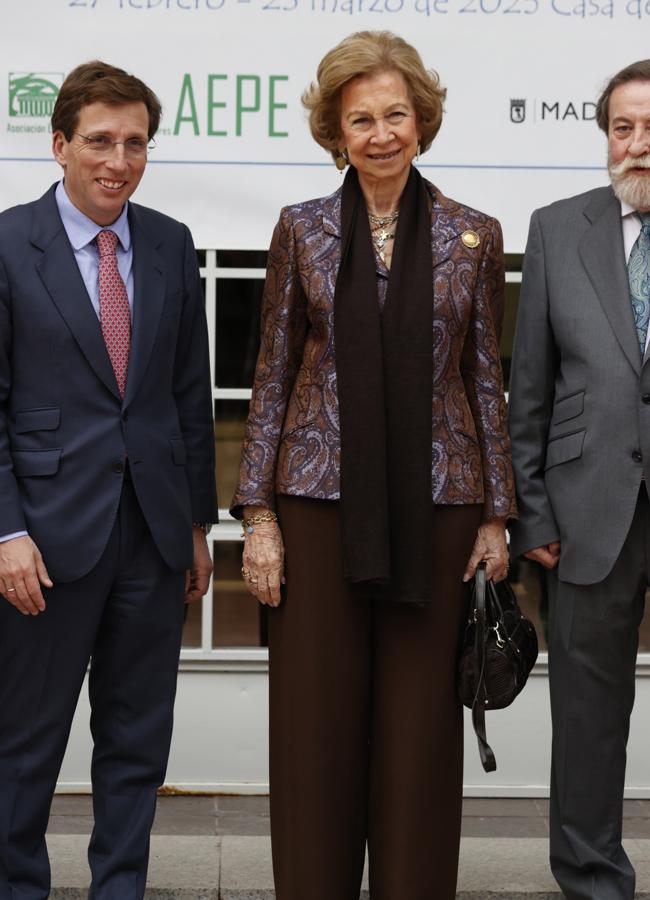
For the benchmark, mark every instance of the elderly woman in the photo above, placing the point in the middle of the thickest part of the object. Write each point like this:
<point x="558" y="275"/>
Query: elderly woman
<point x="375" y="475"/>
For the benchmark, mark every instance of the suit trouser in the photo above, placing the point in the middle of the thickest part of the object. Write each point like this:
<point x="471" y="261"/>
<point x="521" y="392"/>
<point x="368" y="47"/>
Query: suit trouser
<point x="127" y="615"/>
<point x="593" y="640"/>
<point x="366" y="726"/>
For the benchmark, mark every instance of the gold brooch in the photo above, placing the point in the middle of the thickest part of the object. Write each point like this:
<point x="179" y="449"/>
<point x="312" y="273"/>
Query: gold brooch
<point x="470" y="239"/>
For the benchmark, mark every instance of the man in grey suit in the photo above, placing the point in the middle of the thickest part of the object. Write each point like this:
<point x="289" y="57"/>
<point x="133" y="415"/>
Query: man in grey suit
<point x="580" y="427"/>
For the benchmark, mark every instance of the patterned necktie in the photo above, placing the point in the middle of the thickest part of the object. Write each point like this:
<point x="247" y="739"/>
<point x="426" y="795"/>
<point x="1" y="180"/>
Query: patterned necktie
<point x="114" y="314"/>
<point x="639" y="272"/>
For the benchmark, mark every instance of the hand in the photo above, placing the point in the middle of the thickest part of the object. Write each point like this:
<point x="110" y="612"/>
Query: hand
<point x="548" y="556"/>
<point x="263" y="562"/>
<point x="197" y="578"/>
<point x="491" y="546"/>
<point x="22" y="572"/>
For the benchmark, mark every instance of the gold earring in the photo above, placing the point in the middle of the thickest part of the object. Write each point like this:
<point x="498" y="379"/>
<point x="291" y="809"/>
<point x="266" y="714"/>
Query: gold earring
<point x="417" y="153"/>
<point x="341" y="161"/>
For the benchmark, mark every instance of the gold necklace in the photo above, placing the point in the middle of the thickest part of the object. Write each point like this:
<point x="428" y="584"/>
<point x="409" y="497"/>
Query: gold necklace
<point x="381" y="231"/>
<point x="381" y="221"/>
<point x="381" y="238"/>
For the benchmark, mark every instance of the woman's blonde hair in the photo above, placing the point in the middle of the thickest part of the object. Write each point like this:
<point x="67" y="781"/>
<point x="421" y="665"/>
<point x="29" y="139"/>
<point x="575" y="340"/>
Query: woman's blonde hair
<point x="367" y="53"/>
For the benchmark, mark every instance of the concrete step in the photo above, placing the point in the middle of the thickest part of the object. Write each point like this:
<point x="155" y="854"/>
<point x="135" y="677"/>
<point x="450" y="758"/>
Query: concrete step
<point x="239" y="868"/>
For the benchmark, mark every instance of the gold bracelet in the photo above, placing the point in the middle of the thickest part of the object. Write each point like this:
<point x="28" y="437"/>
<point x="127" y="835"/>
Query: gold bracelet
<point x="247" y="524"/>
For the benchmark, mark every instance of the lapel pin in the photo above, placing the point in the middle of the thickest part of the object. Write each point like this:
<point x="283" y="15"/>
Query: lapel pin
<point x="470" y="239"/>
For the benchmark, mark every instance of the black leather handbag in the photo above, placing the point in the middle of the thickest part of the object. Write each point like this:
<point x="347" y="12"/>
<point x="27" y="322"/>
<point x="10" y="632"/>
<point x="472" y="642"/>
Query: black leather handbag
<point x="498" y="652"/>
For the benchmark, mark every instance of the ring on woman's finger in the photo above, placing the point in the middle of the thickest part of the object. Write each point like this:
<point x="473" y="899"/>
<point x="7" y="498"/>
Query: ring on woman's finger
<point x="245" y="572"/>
<point x="252" y="579"/>
<point x="11" y="590"/>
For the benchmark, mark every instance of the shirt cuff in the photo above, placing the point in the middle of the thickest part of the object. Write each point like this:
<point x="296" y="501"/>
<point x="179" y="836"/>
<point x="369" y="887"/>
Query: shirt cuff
<point x="10" y="537"/>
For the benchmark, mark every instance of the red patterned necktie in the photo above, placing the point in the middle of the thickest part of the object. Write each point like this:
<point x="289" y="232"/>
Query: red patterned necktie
<point x="114" y="314"/>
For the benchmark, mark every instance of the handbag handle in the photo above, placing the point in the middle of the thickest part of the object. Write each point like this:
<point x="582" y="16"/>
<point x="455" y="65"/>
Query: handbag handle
<point x="478" y="705"/>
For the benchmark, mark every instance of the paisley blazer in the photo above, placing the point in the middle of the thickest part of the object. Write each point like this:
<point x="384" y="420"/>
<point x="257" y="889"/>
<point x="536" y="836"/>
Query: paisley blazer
<point x="292" y="439"/>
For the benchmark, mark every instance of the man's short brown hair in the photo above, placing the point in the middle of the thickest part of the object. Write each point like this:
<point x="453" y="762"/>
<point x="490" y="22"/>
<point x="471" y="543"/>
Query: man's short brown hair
<point x="97" y="82"/>
<point x="638" y="71"/>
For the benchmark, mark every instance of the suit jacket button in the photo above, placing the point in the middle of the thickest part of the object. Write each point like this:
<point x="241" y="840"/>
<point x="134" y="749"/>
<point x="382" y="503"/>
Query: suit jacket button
<point x="637" y="456"/>
<point x="646" y="398"/>
<point x="118" y="467"/>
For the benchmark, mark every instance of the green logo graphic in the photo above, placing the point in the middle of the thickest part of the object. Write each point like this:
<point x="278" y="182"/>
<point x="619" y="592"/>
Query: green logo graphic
<point x="33" y="94"/>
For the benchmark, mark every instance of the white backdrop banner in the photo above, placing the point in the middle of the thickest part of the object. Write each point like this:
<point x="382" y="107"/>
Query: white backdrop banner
<point x="234" y="146"/>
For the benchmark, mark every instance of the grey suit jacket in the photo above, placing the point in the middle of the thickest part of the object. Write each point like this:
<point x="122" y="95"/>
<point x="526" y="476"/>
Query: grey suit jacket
<point x="579" y="394"/>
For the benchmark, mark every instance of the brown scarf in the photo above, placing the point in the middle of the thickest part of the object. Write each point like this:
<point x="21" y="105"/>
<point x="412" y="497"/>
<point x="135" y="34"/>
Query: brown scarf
<point x="384" y="367"/>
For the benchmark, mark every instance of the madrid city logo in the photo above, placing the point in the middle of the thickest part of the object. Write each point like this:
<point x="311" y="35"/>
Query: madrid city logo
<point x="33" y="94"/>
<point x="552" y="110"/>
<point x="517" y="111"/>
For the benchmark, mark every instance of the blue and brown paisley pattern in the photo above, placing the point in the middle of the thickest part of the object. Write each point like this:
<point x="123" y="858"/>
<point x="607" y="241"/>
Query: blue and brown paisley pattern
<point x="638" y="267"/>
<point x="292" y="440"/>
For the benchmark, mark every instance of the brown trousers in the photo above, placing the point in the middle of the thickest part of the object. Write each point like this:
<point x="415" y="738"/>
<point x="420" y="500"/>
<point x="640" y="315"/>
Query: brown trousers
<point x="366" y="730"/>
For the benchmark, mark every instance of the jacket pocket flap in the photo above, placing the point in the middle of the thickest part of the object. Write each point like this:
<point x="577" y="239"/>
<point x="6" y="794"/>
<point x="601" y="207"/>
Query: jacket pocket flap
<point x="46" y="419"/>
<point x="568" y="408"/>
<point x="564" y="449"/>
<point x="36" y="462"/>
<point x="178" y="451"/>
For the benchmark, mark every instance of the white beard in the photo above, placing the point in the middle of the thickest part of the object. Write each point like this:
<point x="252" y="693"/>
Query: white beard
<point x="631" y="187"/>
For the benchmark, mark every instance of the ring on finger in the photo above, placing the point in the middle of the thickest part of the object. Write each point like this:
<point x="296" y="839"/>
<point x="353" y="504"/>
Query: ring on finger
<point x="252" y="579"/>
<point x="245" y="572"/>
<point x="11" y="590"/>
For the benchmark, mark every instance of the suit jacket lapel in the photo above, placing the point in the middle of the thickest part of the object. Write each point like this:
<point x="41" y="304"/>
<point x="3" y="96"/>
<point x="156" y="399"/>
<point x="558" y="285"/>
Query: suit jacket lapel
<point x="60" y="275"/>
<point x="603" y="256"/>
<point x="149" y="284"/>
<point x="447" y="222"/>
<point x="332" y="214"/>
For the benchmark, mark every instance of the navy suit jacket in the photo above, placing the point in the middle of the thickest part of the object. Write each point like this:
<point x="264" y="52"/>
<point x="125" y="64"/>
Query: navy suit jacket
<point x="64" y="430"/>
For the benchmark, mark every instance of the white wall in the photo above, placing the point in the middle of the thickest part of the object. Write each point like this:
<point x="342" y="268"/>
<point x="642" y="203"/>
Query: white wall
<point x="221" y="725"/>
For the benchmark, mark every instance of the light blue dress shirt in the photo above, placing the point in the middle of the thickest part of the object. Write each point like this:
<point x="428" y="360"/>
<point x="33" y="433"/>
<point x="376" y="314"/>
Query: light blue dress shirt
<point x="82" y="232"/>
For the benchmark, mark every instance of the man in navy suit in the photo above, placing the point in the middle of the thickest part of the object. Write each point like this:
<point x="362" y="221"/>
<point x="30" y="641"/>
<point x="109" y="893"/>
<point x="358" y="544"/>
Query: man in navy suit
<point x="106" y="482"/>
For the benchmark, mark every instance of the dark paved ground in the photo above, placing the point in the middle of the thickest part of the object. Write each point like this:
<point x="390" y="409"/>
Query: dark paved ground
<point x="72" y="814"/>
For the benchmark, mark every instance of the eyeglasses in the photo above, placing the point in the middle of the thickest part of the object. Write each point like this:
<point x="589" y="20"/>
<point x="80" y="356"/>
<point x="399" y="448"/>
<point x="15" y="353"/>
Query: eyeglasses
<point x="362" y="123"/>
<point x="102" y="145"/>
